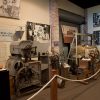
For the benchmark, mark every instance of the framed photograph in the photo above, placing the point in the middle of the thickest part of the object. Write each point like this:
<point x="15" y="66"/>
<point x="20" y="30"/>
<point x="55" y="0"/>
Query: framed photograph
<point x="96" y="19"/>
<point x="10" y="8"/>
<point x="38" y="32"/>
<point x="97" y="37"/>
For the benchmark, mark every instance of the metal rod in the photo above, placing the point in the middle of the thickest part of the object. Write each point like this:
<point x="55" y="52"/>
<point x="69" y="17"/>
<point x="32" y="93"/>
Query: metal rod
<point x="76" y="48"/>
<point x="70" y="48"/>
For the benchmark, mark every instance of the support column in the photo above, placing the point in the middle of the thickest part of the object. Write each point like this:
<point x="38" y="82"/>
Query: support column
<point x="86" y="22"/>
<point x="54" y="24"/>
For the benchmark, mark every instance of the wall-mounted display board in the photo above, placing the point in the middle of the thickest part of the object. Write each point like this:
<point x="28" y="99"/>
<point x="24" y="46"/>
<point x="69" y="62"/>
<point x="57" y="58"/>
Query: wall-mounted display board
<point x="38" y="32"/>
<point x="11" y="33"/>
<point x="68" y="33"/>
<point x="97" y="37"/>
<point x="96" y="19"/>
<point x="6" y="34"/>
<point x="9" y="8"/>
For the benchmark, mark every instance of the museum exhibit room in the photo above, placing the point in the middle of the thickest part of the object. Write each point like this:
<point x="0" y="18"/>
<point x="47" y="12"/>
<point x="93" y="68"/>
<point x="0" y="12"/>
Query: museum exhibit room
<point x="49" y="49"/>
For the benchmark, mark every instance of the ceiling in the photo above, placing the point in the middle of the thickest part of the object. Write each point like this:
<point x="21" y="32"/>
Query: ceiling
<point x="86" y="3"/>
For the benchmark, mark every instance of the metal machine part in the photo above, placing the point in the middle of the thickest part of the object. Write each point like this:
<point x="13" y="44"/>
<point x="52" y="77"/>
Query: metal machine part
<point x="25" y="71"/>
<point x="17" y="47"/>
<point x="13" y="64"/>
<point x="27" y="76"/>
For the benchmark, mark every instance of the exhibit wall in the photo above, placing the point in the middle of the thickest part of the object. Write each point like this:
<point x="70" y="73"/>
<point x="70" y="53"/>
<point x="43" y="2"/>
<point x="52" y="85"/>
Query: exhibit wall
<point x="90" y="12"/>
<point x="33" y="11"/>
<point x="30" y="10"/>
<point x="93" y="17"/>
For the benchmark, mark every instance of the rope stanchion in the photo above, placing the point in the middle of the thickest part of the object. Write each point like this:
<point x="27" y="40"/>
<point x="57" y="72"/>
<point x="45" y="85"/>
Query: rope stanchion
<point x="66" y="79"/>
<point x="53" y="87"/>
<point x="42" y="88"/>
<point x="82" y="80"/>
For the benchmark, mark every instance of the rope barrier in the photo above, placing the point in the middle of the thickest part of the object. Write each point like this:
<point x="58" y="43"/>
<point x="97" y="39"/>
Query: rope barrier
<point x="42" y="87"/>
<point x="66" y="79"/>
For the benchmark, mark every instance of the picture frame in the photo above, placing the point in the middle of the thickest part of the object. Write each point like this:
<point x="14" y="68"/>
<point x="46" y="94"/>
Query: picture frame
<point x="68" y="33"/>
<point x="38" y="32"/>
<point x="96" y="19"/>
<point x="97" y="37"/>
<point x="10" y="8"/>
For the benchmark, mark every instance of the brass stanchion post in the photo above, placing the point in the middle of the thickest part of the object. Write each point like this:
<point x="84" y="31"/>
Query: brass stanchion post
<point x="54" y="71"/>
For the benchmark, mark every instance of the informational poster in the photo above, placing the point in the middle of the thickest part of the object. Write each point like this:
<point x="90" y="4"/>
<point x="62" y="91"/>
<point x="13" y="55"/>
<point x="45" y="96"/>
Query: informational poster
<point x="9" y="8"/>
<point x="68" y="33"/>
<point x="97" y="37"/>
<point x="11" y="33"/>
<point x="6" y="34"/>
<point x="38" y="32"/>
<point x="96" y="19"/>
<point x="68" y="29"/>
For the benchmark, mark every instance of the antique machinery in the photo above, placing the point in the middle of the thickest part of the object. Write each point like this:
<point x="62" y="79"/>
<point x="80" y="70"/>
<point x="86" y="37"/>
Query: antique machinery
<point x="83" y="53"/>
<point x="25" y="71"/>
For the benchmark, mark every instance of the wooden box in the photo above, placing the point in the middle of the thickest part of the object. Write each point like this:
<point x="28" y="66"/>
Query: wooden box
<point x="68" y="39"/>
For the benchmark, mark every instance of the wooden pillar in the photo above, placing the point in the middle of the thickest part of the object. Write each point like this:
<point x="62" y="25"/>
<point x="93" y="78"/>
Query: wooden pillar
<point x="53" y="89"/>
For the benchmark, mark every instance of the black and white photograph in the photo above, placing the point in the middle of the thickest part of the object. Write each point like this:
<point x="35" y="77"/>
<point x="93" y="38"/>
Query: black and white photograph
<point x="97" y="37"/>
<point x="10" y="8"/>
<point x="38" y="32"/>
<point x="96" y="19"/>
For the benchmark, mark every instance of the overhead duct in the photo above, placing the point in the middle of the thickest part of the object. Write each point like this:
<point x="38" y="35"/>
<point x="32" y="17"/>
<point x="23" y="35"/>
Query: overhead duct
<point x="70" y="17"/>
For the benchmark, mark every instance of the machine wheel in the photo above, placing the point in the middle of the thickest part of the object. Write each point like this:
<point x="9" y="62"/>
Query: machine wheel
<point x="17" y="79"/>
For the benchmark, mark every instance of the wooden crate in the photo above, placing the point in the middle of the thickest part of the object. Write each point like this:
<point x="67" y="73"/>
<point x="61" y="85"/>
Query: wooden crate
<point x="68" y="38"/>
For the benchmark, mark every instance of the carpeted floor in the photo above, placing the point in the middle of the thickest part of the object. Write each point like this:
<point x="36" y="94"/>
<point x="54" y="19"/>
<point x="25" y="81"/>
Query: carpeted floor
<point x="71" y="91"/>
